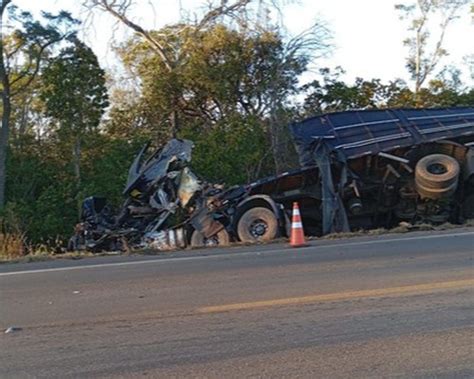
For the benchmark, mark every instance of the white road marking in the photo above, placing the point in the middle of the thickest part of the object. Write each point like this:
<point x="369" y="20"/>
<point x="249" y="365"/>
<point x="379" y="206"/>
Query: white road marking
<point x="233" y="254"/>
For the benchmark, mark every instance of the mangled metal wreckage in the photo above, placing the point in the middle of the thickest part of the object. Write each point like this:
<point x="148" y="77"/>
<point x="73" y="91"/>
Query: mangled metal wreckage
<point x="166" y="206"/>
<point x="359" y="169"/>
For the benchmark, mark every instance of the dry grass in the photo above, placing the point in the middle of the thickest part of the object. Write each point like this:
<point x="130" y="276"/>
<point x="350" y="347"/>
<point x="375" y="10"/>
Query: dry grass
<point x="41" y="256"/>
<point x="12" y="246"/>
<point x="403" y="227"/>
<point x="469" y="222"/>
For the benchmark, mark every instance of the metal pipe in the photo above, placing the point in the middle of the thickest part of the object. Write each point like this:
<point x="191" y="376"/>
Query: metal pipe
<point x="394" y="157"/>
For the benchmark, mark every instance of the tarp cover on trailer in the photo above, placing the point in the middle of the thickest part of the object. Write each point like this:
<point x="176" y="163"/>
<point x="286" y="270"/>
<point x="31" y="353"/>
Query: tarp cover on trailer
<point x="358" y="133"/>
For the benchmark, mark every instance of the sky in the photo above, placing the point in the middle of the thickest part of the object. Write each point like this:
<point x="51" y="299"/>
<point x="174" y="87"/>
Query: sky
<point x="367" y="34"/>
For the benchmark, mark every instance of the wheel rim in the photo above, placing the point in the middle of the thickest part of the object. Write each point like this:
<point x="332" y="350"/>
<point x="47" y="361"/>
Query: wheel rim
<point x="437" y="169"/>
<point x="258" y="228"/>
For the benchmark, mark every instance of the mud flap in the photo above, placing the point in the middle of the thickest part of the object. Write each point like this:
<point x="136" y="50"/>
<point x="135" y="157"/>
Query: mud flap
<point x="204" y="223"/>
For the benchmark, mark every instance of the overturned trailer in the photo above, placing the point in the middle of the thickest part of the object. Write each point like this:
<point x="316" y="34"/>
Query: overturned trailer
<point x="372" y="168"/>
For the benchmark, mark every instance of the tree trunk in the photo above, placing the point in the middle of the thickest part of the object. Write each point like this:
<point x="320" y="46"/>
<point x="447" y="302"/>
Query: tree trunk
<point x="25" y="109"/>
<point x="275" y="137"/>
<point x="275" y="143"/>
<point x="76" y="160"/>
<point x="417" y="65"/>
<point x="174" y="123"/>
<point x="4" y="135"/>
<point x="6" y="111"/>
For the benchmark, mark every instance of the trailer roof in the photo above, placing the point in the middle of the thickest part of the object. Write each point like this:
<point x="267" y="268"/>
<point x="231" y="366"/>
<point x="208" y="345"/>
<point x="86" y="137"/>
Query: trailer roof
<point x="363" y="132"/>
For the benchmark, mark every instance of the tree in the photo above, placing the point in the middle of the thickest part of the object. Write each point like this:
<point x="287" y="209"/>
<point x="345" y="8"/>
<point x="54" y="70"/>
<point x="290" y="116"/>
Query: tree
<point x="22" y="53"/>
<point x="247" y="17"/>
<point x="74" y="93"/>
<point x="331" y="94"/>
<point x="245" y="14"/>
<point x="424" y="55"/>
<point x="224" y="75"/>
<point x="164" y="52"/>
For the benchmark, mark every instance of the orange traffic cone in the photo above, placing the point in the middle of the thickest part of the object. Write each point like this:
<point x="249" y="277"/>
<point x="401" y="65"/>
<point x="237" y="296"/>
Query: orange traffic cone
<point x="297" y="235"/>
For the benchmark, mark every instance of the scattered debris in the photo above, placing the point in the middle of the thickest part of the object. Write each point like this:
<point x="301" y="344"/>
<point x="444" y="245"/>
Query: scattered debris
<point x="12" y="329"/>
<point x="165" y="240"/>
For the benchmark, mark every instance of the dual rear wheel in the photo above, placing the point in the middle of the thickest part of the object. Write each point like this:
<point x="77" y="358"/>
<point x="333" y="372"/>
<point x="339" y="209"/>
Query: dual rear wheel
<point x="257" y="224"/>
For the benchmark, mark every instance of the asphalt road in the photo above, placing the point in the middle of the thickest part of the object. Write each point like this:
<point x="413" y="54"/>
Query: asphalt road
<point x="393" y="306"/>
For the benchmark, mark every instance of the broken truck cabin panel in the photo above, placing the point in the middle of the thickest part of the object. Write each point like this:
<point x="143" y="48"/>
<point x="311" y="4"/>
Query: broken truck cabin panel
<point x="363" y="169"/>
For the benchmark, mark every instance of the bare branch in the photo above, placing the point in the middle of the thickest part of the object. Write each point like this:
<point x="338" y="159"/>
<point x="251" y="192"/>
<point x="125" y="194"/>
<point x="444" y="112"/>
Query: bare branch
<point x="118" y="9"/>
<point x="312" y="41"/>
<point x="27" y="72"/>
<point x="422" y="63"/>
<point x="222" y="10"/>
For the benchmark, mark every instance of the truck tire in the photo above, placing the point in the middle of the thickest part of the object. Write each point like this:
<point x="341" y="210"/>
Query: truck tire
<point x="435" y="193"/>
<point x="221" y="238"/>
<point x="437" y="171"/>
<point x="257" y="224"/>
<point x="436" y="176"/>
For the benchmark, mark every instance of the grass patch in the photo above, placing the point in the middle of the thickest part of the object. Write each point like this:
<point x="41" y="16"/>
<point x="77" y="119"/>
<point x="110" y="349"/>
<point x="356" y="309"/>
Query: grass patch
<point x="12" y="240"/>
<point x="12" y="246"/>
